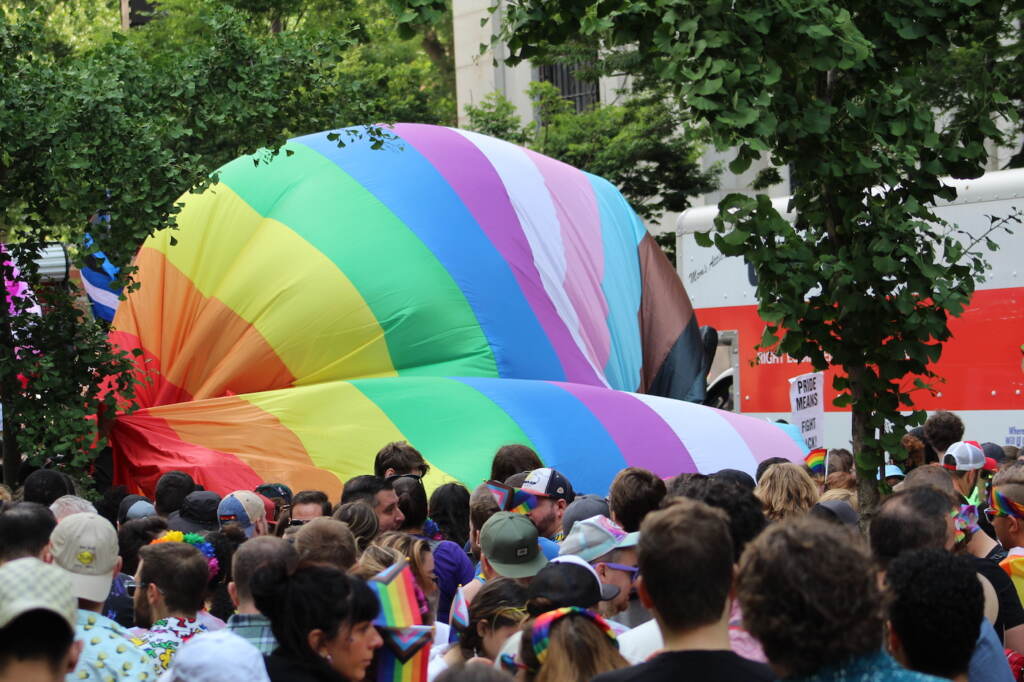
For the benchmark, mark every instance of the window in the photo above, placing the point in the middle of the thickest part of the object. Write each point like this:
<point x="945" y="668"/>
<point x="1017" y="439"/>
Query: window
<point x="583" y="94"/>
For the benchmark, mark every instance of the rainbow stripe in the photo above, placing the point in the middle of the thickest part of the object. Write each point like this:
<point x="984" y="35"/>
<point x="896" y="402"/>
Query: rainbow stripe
<point x="815" y="461"/>
<point x="405" y="655"/>
<point x="515" y="500"/>
<point x="395" y="588"/>
<point x="541" y="635"/>
<point x="450" y="289"/>
<point x="1003" y="505"/>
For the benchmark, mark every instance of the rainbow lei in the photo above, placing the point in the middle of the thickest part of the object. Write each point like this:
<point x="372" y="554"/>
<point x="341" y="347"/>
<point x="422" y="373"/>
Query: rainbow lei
<point x="197" y="541"/>
<point x="1003" y="505"/>
<point x="541" y="638"/>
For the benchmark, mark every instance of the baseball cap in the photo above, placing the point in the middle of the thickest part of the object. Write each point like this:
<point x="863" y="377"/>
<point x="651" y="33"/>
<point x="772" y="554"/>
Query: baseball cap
<point x="242" y="507"/>
<point x="891" y="470"/>
<point x="592" y="538"/>
<point x="570" y="581"/>
<point x="198" y="513"/>
<point x="131" y="509"/>
<point x="217" y="656"/>
<point x="548" y="482"/>
<point x="510" y="543"/>
<point x="29" y="585"/>
<point x="994" y="451"/>
<point x="85" y="545"/>
<point x="273" y="490"/>
<point x="836" y="511"/>
<point x="583" y="507"/>
<point x="964" y="456"/>
<point x="269" y="508"/>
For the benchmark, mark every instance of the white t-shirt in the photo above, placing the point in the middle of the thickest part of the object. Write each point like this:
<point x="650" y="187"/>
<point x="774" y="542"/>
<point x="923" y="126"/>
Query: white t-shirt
<point x="640" y="642"/>
<point x="437" y="664"/>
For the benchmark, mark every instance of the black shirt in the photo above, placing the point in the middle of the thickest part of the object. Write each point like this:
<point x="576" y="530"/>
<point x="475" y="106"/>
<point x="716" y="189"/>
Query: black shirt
<point x="1010" y="612"/>
<point x="699" y="666"/>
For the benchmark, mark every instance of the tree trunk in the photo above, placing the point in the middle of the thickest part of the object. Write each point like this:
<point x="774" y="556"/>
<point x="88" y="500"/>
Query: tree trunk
<point x="8" y="389"/>
<point x="867" y="479"/>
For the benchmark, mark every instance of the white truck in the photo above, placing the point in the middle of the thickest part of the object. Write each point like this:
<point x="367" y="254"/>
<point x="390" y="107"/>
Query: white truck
<point x="982" y="364"/>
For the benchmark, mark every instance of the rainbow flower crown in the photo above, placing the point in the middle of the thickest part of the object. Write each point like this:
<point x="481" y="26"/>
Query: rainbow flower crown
<point x="197" y="541"/>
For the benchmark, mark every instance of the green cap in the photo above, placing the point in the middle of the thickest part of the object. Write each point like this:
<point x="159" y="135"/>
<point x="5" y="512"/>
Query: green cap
<point x="510" y="543"/>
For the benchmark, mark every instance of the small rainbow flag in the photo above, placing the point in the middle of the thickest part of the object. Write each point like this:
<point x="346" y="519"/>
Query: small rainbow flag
<point x="815" y="461"/>
<point x="395" y="588"/>
<point x="511" y="499"/>
<point x="460" y="611"/>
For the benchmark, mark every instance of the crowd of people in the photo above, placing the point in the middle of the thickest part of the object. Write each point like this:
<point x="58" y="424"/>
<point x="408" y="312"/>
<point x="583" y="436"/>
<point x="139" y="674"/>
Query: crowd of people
<point x="699" y="577"/>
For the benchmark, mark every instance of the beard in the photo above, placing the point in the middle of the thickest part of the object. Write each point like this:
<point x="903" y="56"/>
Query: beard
<point x="143" y="614"/>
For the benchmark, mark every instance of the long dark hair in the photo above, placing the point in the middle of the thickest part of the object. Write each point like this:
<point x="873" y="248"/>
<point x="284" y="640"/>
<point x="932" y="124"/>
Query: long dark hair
<point x="312" y="597"/>
<point x="449" y="509"/>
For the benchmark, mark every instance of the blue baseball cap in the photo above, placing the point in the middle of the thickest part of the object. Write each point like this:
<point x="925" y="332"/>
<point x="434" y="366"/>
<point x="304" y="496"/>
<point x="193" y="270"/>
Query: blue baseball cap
<point x="242" y="507"/>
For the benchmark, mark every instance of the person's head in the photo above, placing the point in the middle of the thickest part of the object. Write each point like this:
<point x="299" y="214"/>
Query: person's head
<point x="840" y="460"/>
<point x="1013" y="472"/>
<point x="67" y="505"/>
<point x="789" y="580"/>
<point x="841" y="495"/>
<point x="326" y="541"/>
<point x="513" y="459"/>
<point x="136" y="534"/>
<point x="37" y="622"/>
<point x="412" y="501"/>
<point x="841" y="480"/>
<point x="320" y="617"/>
<point x="278" y="493"/>
<point x="85" y="545"/>
<point x="482" y="506"/>
<point x="449" y="508"/>
<point x="308" y="505"/>
<point x="171" y="490"/>
<point x="361" y="521"/>
<point x="584" y="507"/>
<point x="246" y="509"/>
<point x="554" y="493"/>
<point x="633" y="494"/>
<point x="611" y="551"/>
<point x="743" y="509"/>
<point x="251" y="555"/>
<point x="787" y="491"/>
<point x="197" y="514"/>
<point x="930" y="477"/>
<point x="567" y="580"/>
<point x="935" y="611"/>
<point x="509" y="547"/>
<point x="740" y="478"/>
<point x="25" y="531"/>
<point x="918" y="518"/>
<point x="964" y="461"/>
<point x="374" y="559"/>
<point x="838" y="512"/>
<point x="134" y="507"/>
<point x="568" y="644"/>
<point x="473" y="672"/>
<point x="417" y="551"/>
<point x="942" y="429"/>
<point x="399" y="458"/>
<point x="686" y="558"/>
<point x="496" y="613"/>
<point x="379" y="493"/>
<point x="765" y="465"/>
<point x="215" y="657"/>
<point x="170" y="581"/>
<point x="46" y="485"/>
<point x="1006" y="513"/>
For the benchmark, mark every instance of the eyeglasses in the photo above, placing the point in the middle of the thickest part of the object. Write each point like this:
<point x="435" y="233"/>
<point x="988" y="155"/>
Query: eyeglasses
<point x="633" y="571"/>
<point x="297" y="522"/>
<point x="395" y="477"/>
<point x="991" y="514"/>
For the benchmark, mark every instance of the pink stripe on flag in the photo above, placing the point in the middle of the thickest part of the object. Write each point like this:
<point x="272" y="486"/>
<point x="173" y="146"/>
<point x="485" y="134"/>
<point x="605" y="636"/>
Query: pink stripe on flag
<point x="763" y="438"/>
<point x="643" y="437"/>
<point x="472" y="177"/>
<point x="580" y="221"/>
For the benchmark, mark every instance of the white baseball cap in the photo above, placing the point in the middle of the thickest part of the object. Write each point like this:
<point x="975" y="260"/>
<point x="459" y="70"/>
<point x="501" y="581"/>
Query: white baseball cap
<point x="964" y="456"/>
<point x="85" y="545"/>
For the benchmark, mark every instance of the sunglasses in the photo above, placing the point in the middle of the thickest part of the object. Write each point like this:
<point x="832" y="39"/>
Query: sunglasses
<point x="992" y="513"/>
<point x="633" y="571"/>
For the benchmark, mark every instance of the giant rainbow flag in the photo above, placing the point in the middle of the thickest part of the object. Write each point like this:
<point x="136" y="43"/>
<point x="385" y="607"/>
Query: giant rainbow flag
<point x="448" y="289"/>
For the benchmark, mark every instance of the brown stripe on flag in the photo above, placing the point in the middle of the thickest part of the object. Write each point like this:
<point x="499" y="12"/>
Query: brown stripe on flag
<point x="665" y="309"/>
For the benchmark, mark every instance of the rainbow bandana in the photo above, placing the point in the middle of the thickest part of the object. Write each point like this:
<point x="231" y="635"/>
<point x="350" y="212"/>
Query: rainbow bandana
<point x="515" y="500"/>
<point x="406" y="651"/>
<point x="815" y="461"/>
<point x="1001" y="505"/>
<point x="541" y="638"/>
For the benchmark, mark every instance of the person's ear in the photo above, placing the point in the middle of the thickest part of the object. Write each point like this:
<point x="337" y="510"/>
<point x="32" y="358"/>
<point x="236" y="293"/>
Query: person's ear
<point x="483" y="628"/>
<point x="73" y="655"/>
<point x="118" y="565"/>
<point x="233" y="593"/>
<point x="315" y="638"/>
<point x="46" y="556"/>
<point x="389" y="472"/>
<point x="645" y="596"/>
<point x="602" y="571"/>
<point x="152" y="593"/>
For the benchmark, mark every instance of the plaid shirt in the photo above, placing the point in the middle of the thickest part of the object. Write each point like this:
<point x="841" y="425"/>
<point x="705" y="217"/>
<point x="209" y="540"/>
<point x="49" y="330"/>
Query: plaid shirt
<point x="254" y="628"/>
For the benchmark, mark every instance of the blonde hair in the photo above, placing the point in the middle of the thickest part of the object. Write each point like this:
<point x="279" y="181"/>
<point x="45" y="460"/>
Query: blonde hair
<point x="374" y="560"/>
<point x="842" y="494"/>
<point x="577" y="650"/>
<point x="787" y="491"/>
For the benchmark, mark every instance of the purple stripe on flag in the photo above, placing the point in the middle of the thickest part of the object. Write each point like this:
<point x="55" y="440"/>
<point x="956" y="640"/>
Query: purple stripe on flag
<point x="580" y="220"/>
<point x="763" y="438"/>
<point x="472" y="177"/>
<point x="642" y="436"/>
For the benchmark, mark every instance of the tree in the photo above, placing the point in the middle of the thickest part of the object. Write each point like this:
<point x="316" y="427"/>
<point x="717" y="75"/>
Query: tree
<point x="640" y="146"/>
<point x="865" y="278"/>
<point x="128" y="123"/>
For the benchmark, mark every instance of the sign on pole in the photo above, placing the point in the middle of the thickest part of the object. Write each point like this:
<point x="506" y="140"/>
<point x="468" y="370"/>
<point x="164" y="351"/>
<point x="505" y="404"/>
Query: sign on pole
<point x="807" y="404"/>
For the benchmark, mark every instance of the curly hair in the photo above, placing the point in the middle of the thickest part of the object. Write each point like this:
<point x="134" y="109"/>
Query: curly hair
<point x="787" y="491"/>
<point x="936" y="610"/>
<point x="746" y="517"/>
<point x="788" y="581"/>
<point x="942" y="429"/>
